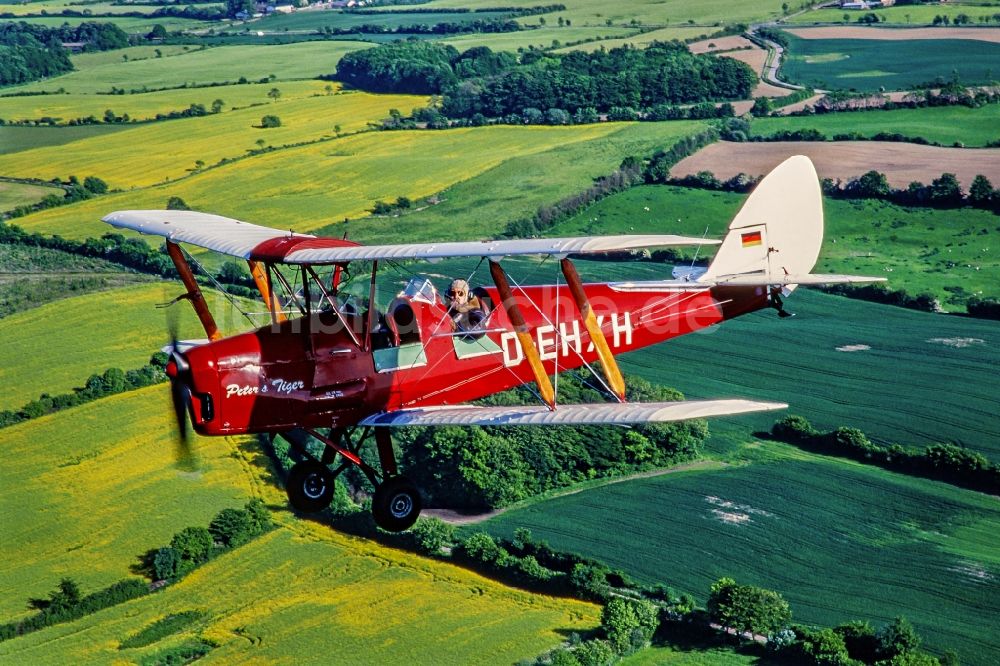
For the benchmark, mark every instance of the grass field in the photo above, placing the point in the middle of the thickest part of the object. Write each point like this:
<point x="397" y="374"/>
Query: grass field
<point x="224" y="64"/>
<point x="317" y="20"/>
<point x="943" y="124"/>
<point x="20" y="194"/>
<point x="518" y="186"/>
<point x="145" y="106"/>
<point x="154" y="153"/>
<point x="644" y="39"/>
<point x="130" y="54"/>
<point x="15" y="139"/>
<point x="133" y="25"/>
<point x="870" y="65"/>
<point x="91" y="333"/>
<point x="313" y="186"/>
<point x="945" y="252"/>
<point x="902" y="15"/>
<point x="657" y="13"/>
<point x="542" y="38"/>
<point x="839" y="540"/>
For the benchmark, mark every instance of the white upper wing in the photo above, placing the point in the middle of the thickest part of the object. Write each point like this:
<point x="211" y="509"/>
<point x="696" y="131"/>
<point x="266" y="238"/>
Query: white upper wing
<point x="240" y="239"/>
<point x="213" y="232"/>
<point x="592" y="414"/>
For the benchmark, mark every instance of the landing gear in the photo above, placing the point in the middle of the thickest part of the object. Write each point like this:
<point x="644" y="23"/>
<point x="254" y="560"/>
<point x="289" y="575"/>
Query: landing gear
<point x="310" y="486"/>
<point x="396" y="503"/>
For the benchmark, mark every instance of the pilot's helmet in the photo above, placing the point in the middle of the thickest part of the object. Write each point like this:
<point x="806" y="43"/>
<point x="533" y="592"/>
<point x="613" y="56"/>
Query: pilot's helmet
<point x="458" y="292"/>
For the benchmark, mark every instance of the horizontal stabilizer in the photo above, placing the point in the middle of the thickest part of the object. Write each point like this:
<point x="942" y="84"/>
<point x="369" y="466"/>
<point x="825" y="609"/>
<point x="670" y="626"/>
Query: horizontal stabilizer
<point x="625" y="413"/>
<point x="751" y="279"/>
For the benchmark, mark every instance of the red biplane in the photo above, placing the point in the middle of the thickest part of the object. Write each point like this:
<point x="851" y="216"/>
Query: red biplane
<point x="344" y="370"/>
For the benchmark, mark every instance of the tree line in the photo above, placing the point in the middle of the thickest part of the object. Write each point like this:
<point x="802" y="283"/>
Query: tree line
<point x="97" y="386"/>
<point x="480" y="82"/>
<point x="945" y="462"/>
<point x="29" y="52"/>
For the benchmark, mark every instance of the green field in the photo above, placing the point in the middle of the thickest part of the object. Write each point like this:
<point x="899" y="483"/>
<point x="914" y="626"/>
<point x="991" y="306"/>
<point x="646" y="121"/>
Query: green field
<point x="15" y="139"/>
<point x="313" y="186"/>
<point x="83" y="61"/>
<point x="133" y="25"/>
<point x="948" y="253"/>
<point x="337" y="20"/>
<point x="110" y="465"/>
<point x="647" y="12"/>
<point x="641" y="40"/>
<point x="518" y="186"/>
<point x="154" y="153"/>
<point x="943" y="124"/>
<point x="20" y="194"/>
<point x="145" y="106"/>
<point x="839" y="540"/>
<point x="542" y="38"/>
<point x="871" y="65"/>
<point x="908" y="15"/>
<point x="224" y="64"/>
<point x="118" y="329"/>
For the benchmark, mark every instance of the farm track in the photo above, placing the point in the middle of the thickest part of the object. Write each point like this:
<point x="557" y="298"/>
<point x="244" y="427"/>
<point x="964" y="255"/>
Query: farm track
<point x="457" y="518"/>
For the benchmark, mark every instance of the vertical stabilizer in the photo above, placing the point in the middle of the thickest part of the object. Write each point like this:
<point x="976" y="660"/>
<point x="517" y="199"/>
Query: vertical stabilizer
<point x="779" y="230"/>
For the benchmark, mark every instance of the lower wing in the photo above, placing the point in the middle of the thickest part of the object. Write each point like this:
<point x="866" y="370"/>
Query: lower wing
<point x="626" y="413"/>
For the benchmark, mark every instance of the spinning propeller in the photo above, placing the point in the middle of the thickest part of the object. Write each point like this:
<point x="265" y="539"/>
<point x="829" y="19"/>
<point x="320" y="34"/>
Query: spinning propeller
<point x="179" y="371"/>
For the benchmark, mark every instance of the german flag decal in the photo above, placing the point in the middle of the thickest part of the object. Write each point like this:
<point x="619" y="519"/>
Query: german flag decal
<point x="750" y="239"/>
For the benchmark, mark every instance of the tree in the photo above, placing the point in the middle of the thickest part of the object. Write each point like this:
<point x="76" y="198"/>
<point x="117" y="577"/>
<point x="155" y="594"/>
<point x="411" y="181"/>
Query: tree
<point x="176" y="203"/>
<point x="165" y="563"/>
<point x="260" y="516"/>
<point x="595" y="653"/>
<point x="158" y="32"/>
<point x="217" y="105"/>
<point x="746" y="608"/>
<point x="871" y="185"/>
<point x="945" y="191"/>
<point x="232" y="527"/>
<point x="270" y="121"/>
<point x="897" y="638"/>
<point x="627" y="622"/>
<point x="762" y="106"/>
<point x="274" y="94"/>
<point x="981" y="192"/>
<point x="95" y="185"/>
<point x="193" y="544"/>
<point x="430" y="535"/>
<point x="234" y="7"/>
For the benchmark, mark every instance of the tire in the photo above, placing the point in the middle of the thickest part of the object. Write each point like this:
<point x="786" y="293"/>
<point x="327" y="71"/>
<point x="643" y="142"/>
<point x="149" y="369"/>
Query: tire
<point x="309" y="486"/>
<point x="396" y="504"/>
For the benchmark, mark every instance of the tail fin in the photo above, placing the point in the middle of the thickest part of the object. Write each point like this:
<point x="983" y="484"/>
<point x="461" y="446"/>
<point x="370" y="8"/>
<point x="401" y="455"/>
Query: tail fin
<point x="778" y="231"/>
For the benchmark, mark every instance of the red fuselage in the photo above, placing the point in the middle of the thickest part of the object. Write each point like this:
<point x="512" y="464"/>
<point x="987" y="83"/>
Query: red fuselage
<point x="309" y="372"/>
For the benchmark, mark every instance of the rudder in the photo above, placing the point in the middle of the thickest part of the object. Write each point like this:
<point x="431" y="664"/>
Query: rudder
<point x="779" y="229"/>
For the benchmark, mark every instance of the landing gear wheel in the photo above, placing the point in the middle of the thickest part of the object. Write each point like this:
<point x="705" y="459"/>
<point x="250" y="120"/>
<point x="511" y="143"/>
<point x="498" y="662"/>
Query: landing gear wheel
<point x="396" y="504"/>
<point x="310" y="486"/>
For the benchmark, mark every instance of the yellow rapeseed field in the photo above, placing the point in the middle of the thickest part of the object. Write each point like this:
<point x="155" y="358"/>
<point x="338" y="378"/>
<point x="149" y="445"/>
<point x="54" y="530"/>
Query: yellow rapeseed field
<point x="157" y="152"/>
<point x="145" y="106"/>
<point x="56" y="347"/>
<point x="309" y="187"/>
<point x="85" y="492"/>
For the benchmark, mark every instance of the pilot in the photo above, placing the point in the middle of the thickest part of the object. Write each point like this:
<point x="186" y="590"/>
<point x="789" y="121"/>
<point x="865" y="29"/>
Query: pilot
<point x="464" y="308"/>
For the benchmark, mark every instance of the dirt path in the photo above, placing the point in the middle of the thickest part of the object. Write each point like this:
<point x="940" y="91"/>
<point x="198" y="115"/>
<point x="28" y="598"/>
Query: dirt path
<point x="456" y="518"/>
<point x="895" y="34"/>
<point x="902" y="163"/>
<point x="742" y="49"/>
